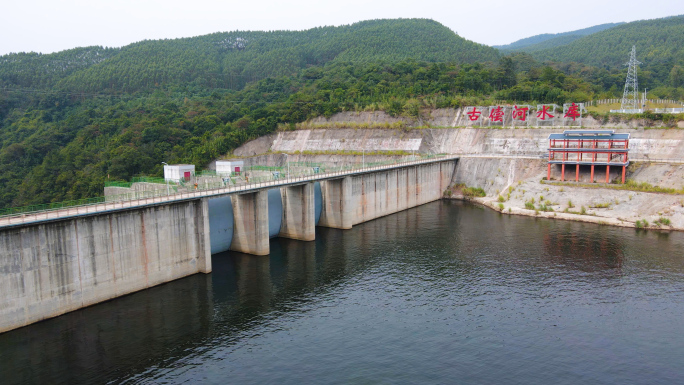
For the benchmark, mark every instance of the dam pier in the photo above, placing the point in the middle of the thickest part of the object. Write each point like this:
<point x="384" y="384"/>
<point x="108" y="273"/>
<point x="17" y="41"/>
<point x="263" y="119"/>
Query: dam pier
<point x="56" y="262"/>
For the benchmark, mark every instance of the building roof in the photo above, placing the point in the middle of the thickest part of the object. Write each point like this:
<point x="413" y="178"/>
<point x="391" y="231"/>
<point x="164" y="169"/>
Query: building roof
<point x="588" y="163"/>
<point x="587" y="150"/>
<point x="589" y="134"/>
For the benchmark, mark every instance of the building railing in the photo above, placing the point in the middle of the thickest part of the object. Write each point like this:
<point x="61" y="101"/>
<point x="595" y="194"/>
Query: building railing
<point x="559" y="146"/>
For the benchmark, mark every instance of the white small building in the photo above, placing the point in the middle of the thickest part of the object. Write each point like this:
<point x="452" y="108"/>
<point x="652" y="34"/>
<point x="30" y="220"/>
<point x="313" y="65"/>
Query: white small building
<point x="226" y="167"/>
<point x="176" y="172"/>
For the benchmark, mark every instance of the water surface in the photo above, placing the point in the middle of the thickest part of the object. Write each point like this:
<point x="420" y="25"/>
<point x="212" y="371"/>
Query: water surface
<point x="443" y="293"/>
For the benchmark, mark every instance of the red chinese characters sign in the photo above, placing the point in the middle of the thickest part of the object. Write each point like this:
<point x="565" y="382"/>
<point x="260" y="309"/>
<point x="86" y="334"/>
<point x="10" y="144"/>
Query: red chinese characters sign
<point x="524" y="114"/>
<point x="573" y="112"/>
<point x="474" y="114"/>
<point x="520" y="113"/>
<point x="544" y="114"/>
<point x="496" y="114"/>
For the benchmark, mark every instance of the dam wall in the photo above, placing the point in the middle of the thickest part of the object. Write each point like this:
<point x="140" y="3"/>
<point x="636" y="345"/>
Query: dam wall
<point x="379" y="194"/>
<point x="54" y="267"/>
<point x="245" y="222"/>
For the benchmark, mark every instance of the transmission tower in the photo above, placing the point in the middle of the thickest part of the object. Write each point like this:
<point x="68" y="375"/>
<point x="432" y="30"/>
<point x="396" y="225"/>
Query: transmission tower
<point x="630" y="98"/>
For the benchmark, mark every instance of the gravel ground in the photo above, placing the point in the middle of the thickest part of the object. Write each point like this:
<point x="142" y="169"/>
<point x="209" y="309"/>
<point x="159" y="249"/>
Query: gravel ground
<point x="601" y="205"/>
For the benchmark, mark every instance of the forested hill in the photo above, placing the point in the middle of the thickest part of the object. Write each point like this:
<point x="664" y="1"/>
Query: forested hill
<point x="72" y="120"/>
<point x="551" y="40"/>
<point x="659" y="44"/>
<point x="232" y="59"/>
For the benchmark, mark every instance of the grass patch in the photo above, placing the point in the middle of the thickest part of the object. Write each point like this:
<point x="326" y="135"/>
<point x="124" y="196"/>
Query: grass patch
<point x="354" y="125"/>
<point x="662" y="222"/>
<point x="629" y="185"/>
<point x="469" y="192"/>
<point x="354" y="152"/>
<point x="473" y="192"/>
<point x="545" y="208"/>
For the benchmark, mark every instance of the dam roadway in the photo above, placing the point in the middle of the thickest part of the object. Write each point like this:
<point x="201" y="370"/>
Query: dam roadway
<point x="57" y="261"/>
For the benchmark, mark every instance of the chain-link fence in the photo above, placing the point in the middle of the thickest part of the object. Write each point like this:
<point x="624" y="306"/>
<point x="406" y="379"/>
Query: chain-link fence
<point x="182" y="190"/>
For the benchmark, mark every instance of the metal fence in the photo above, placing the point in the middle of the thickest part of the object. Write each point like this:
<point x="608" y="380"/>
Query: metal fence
<point x="27" y="214"/>
<point x="32" y="213"/>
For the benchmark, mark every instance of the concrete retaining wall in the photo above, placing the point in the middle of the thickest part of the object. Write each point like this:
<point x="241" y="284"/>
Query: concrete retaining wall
<point x="378" y="194"/>
<point x="653" y="143"/>
<point x="55" y="267"/>
<point x="495" y="175"/>
<point x="457" y="117"/>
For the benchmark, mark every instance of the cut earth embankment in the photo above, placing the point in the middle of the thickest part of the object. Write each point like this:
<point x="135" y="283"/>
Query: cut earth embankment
<point x="499" y="159"/>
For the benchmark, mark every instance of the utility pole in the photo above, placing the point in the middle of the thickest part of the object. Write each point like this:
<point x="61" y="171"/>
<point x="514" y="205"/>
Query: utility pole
<point x="630" y="97"/>
<point x="643" y="105"/>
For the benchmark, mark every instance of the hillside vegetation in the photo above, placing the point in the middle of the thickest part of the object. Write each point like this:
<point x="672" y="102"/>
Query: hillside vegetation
<point x="69" y="121"/>
<point x="229" y="60"/>
<point x="551" y="40"/>
<point x="659" y="44"/>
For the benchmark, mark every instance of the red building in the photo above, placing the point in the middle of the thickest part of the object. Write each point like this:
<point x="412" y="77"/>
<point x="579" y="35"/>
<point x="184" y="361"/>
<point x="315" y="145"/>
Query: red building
<point x="589" y="147"/>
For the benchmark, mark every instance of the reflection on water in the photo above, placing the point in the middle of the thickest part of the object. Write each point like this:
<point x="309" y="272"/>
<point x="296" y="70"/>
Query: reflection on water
<point x="447" y="292"/>
<point x="115" y="339"/>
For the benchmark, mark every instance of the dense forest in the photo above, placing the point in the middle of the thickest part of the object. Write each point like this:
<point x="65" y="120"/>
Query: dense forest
<point x="69" y="121"/>
<point x="659" y="44"/>
<point x="551" y="40"/>
<point x="233" y="59"/>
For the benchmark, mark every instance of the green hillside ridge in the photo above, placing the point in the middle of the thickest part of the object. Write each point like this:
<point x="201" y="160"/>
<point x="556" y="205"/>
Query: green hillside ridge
<point x="658" y="42"/>
<point x="552" y="43"/>
<point x="72" y="120"/>
<point x="57" y="146"/>
<point x="534" y="43"/>
<point x="45" y="70"/>
<point x="233" y="59"/>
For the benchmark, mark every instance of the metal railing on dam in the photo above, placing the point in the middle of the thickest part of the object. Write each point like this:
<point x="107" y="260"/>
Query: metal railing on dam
<point x="38" y="213"/>
<point x="156" y="197"/>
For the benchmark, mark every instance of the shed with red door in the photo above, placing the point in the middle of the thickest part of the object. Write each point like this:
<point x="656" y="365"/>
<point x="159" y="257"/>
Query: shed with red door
<point x="179" y="172"/>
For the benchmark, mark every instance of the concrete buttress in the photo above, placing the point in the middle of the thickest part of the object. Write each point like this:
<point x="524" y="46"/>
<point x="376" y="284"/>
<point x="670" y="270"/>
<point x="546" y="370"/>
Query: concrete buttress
<point x="337" y="203"/>
<point x="250" y="231"/>
<point x="299" y="214"/>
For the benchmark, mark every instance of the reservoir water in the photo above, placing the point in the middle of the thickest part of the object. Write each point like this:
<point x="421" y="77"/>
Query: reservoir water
<point x="444" y="293"/>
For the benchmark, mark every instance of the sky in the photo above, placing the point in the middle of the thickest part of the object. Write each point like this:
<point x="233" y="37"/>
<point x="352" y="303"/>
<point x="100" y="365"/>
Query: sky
<point x="53" y="25"/>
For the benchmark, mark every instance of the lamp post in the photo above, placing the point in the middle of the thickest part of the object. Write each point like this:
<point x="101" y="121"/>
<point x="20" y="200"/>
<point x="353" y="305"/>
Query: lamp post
<point x="287" y="159"/>
<point x="167" y="181"/>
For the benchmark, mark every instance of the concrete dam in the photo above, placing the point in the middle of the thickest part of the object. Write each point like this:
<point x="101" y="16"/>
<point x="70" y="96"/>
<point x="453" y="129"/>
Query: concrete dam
<point x="60" y="262"/>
